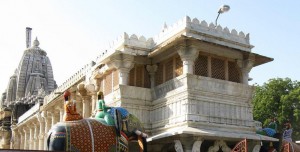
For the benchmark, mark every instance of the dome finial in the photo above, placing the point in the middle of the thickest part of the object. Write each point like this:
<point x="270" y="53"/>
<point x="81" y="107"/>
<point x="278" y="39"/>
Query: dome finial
<point x="36" y="42"/>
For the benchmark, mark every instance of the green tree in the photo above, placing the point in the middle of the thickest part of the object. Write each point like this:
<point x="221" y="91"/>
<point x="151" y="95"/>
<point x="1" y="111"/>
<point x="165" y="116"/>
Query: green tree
<point x="278" y="98"/>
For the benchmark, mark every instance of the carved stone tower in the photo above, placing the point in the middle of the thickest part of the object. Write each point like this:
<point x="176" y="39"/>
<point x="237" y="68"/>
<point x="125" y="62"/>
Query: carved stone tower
<point x="32" y="80"/>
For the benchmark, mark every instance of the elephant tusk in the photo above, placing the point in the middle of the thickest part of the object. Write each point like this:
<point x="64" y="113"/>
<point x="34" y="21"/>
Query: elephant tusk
<point x="144" y="135"/>
<point x="139" y="133"/>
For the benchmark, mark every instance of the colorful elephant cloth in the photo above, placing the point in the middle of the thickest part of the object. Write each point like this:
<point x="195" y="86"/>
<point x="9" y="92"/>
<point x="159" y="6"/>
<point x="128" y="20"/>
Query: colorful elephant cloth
<point x="124" y="113"/>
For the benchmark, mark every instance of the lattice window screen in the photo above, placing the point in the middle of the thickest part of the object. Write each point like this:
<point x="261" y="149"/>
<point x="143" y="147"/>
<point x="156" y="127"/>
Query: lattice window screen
<point x="217" y="68"/>
<point x="139" y="76"/>
<point x="147" y="83"/>
<point x="233" y="72"/>
<point x="159" y="74"/>
<point x="169" y="69"/>
<point x="108" y="85"/>
<point x="178" y="66"/>
<point x="131" y="76"/>
<point x="201" y="66"/>
<point x="116" y="77"/>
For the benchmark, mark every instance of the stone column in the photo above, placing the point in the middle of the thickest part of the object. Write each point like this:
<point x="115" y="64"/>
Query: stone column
<point x="124" y="76"/>
<point x="197" y="145"/>
<point x="188" y="56"/>
<point x="48" y="123"/>
<point x="152" y="69"/>
<point x="41" y="133"/>
<point x="86" y="100"/>
<point x="123" y="63"/>
<point x="26" y="138"/>
<point x="245" y="67"/>
<point x="15" y="142"/>
<point x="21" y="132"/>
<point x="94" y="101"/>
<point x="36" y="136"/>
<point x="178" y="146"/>
<point x="92" y="91"/>
<point x="55" y="118"/>
<point x="60" y="113"/>
<point x="31" y="136"/>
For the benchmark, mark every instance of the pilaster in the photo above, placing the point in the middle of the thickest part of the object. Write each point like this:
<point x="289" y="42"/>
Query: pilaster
<point x="245" y="67"/>
<point x="123" y="63"/>
<point x="188" y="56"/>
<point x="31" y="136"/>
<point x="41" y="134"/>
<point x="36" y="136"/>
<point x="15" y="143"/>
<point x="197" y="145"/>
<point x="86" y="99"/>
<point x="26" y="138"/>
<point x="21" y="132"/>
<point x="92" y="91"/>
<point x="47" y="128"/>
<point x="152" y="70"/>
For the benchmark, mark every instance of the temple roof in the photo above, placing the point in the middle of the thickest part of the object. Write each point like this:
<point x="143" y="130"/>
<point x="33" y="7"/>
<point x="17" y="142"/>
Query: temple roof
<point x="33" y="74"/>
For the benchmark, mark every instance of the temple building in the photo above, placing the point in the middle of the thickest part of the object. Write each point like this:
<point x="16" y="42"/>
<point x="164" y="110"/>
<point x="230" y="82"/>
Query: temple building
<point x="32" y="80"/>
<point x="188" y="85"/>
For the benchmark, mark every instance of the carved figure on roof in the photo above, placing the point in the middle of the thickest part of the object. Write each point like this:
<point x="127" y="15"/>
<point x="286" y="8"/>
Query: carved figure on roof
<point x="70" y="109"/>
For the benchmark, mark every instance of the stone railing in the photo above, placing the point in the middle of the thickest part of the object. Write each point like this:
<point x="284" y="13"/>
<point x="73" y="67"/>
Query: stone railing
<point x="201" y="27"/>
<point x="68" y="83"/>
<point x="30" y="112"/>
<point x="203" y="100"/>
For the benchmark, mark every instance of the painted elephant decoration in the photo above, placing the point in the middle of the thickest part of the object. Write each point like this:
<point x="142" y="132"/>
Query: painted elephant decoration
<point x="110" y="131"/>
<point x="94" y="135"/>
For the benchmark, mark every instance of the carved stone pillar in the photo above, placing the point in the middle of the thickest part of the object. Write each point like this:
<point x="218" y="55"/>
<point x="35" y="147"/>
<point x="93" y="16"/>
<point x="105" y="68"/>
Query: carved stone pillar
<point x="86" y="101"/>
<point x="26" y="138"/>
<point x="188" y="56"/>
<point x="21" y="132"/>
<point x="36" y="136"/>
<point x="54" y="118"/>
<point x="17" y="140"/>
<point x="41" y="133"/>
<point x="246" y="66"/>
<point x="15" y="143"/>
<point x="31" y="135"/>
<point x="256" y="148"/>
<point x="123" y="63"/>
<point x="197" y="145"/>
<point x="47" y="128"/>
<point x="187" y="144"/>
<point x="59" y="112"/>
<point x="92" y="91"/>
<point x="178" y="146"/>
<point x="152" y="69"/>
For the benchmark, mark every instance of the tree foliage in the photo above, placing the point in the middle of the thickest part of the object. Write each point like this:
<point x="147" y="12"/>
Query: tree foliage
<point x="278" y="98"/>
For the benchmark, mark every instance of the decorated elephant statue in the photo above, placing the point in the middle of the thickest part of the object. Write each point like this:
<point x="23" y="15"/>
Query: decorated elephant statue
<point x="110" y="131"/>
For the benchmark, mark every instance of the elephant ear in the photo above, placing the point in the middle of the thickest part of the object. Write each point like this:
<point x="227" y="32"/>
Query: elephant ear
<point x="118" y="121"/>
<point x="134" y="123"/>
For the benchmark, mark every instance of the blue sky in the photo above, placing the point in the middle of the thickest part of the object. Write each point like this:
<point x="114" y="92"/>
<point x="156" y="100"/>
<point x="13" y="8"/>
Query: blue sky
<point x="74" y="32"/>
